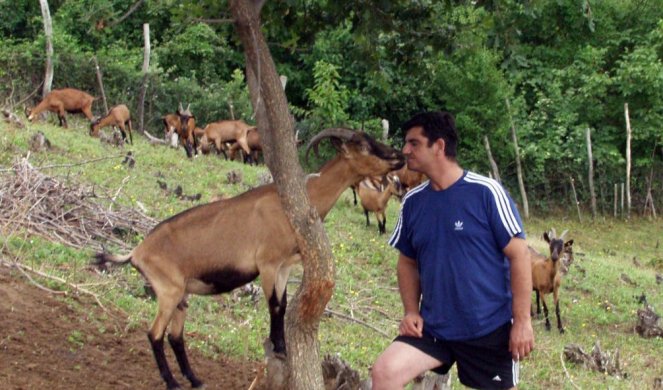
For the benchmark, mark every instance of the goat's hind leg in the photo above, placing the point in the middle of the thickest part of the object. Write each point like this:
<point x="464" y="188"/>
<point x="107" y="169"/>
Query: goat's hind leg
<point x="167" y="306"/>
<point x="176" y="339"/>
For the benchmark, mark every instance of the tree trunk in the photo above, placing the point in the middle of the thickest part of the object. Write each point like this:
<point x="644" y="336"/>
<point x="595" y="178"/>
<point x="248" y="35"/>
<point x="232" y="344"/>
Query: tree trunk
<point x="519" y="169"/>
<point x="276" y="130"/>
<point x="100" y="81"/>
<point x="146" y="70"/>
<point x="491" y="160"/>
<point x="628" y="162"/>
<point x="590" y="173"/>
<point x="575" y="198"/>
<point x="48" y="32"/>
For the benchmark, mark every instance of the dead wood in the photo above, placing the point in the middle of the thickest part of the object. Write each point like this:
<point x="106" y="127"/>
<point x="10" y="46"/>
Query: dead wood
<point x="647" y="325"/>
<point x="597" y="360"/>
<point x="65" y="212"/>
<point x="11" y="118"/>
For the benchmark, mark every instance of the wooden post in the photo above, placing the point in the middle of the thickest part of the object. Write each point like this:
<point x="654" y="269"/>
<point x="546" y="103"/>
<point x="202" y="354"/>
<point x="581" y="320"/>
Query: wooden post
<point x="628" y="162"/>
<point x="575" y="198"/>
<point x="385" y="130"/>
<point x="591" y="173"/>
<point x="491" y="160"/>
<point x="48" y="32"/>
<point x="649" y="200"/>
<point x="519" y="169"/>
<point x="146" y="69"/>
<point x="622" y="200"/>
<point x="614" y="212"/>
<point x="100" y="81"/>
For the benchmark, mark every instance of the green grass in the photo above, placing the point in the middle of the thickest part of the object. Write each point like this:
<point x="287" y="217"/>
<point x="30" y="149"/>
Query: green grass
<point x="596" y="304"/>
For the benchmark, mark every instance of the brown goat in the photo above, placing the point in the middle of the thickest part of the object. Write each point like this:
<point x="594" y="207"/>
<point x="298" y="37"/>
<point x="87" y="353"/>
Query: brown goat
<point x="547" y="276"/>
<point x="117" y="116"/>
<point x="253" y="142"/>
<point x="186" y="131"/>
<point x="375" y="199"/>
<point x="62" y="101"/>
<point x="408" y="178"/>
<point x="171" y="124"/>
<point x="184" y="255"/>
<point x="220" y="132"/>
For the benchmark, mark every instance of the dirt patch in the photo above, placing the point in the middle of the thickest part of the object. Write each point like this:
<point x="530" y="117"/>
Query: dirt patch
<point x="48" y="343"/>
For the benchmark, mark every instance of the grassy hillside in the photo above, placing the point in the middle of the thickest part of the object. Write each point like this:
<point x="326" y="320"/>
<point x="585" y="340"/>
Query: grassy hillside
<point x="616" y="262"/>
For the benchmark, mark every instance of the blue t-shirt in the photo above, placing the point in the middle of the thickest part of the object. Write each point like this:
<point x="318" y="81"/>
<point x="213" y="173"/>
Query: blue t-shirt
<point x="456" y="236"/>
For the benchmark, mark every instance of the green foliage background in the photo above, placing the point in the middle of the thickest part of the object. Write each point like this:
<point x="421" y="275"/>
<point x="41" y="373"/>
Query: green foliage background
<point x="564" y="65"/>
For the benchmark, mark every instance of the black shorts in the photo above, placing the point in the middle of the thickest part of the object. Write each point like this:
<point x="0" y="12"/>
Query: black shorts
<point x="483" y="363"/>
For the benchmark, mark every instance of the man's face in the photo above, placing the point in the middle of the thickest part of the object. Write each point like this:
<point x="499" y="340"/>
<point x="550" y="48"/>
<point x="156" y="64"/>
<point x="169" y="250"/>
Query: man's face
<point x="420" y="157"/>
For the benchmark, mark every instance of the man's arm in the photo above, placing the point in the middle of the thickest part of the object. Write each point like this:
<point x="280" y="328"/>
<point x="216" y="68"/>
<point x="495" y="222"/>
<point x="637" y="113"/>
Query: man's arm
<point x="522" y="334"/>
<point x="410" y="289"/>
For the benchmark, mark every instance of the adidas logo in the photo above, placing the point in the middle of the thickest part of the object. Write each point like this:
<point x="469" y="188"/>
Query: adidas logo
<point x="497" y="379"/>
<point x="458" y="225"/>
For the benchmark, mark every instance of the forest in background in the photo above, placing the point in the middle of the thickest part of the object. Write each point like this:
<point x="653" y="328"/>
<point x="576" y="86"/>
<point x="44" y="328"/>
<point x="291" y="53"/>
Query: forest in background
<point x="551" y="69"/>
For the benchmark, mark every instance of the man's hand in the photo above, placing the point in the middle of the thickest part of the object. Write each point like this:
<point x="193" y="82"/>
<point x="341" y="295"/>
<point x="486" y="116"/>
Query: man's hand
<point x="411" y="325"/>
<point x="521" y="342"/>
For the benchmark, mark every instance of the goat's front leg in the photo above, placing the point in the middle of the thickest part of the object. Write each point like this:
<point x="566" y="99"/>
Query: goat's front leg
<point x="559" y="318"/>
<point x="277" y="324"/>
<point x="545" y="311"/>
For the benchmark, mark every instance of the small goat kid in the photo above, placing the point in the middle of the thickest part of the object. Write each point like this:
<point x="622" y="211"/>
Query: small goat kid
<point x="238" y="239"/>
<point x="547" y="275"/>
<point x="253" y="142"/>
<point x="117" y="116"/>
<point x="375" y="199"/>
<point x="63" y="101"/>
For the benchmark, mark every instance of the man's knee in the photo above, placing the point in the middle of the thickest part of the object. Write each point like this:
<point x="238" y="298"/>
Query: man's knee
<point x="385" y="375"/>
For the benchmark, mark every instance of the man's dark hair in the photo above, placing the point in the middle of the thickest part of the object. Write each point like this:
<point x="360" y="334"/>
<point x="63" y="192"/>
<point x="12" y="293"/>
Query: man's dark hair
<point x="436" y="125"/>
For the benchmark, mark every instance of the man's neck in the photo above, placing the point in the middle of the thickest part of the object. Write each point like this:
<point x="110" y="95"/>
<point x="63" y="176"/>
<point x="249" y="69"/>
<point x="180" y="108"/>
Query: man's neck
<point x="446" y="176"/>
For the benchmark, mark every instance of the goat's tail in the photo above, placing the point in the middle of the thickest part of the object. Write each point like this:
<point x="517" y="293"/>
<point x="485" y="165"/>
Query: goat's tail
<point x="102" y="260"/>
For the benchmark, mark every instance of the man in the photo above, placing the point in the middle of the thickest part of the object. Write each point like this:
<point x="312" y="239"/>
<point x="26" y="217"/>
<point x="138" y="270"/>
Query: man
<point x="464" y="274"/>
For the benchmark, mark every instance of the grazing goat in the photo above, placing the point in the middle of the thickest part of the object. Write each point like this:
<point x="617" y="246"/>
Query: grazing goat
<point x="186" y="131"/>
<point x="117" y="116"/>
<point x="220" y="132"/>
<point x="375" y="199"/>
<point x="253" y="142"/>
<point x="546" y="274"/>
<point x="217" y="247"/>
<point x="62" y="101"/>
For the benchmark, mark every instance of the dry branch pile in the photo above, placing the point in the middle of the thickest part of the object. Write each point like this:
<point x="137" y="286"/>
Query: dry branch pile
<point x="67" y="213"/>
<point x="647" y="325"/>
<point x="597" y="360"/>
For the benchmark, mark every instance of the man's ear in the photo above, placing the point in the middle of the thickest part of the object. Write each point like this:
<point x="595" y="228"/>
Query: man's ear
<point x="440" y="145"/>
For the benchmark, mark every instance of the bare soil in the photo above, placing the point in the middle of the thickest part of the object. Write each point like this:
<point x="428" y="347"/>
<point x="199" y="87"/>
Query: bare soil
<point x="51" y="342"/>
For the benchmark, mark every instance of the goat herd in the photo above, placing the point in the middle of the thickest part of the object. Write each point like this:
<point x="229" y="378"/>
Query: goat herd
<point x="256" y="234"/>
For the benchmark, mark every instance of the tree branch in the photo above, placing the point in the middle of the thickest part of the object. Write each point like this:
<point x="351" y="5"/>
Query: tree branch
<point x="131" y="10"/>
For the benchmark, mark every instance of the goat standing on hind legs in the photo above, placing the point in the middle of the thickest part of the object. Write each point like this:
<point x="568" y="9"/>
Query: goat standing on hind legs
<point x="546" y="274"/>
<point x="217" y="247"/>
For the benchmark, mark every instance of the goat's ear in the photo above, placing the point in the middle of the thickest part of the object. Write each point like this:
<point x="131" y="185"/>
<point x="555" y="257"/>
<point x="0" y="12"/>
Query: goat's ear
<point x="568" y="244"/>
<point x="546" y="237"/>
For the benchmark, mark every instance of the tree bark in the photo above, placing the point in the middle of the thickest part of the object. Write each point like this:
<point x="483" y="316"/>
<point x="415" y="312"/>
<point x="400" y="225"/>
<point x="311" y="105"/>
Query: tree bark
<point x="575" y="198"/>
<point x="48" y="33"/>
<point x="628" y="161"/>
<point x="100" y="81"/>
<point x="590" y="173"/>
<point x="276" y="130"/>
<point x="519" y="169"/>
<point x="491" y="160"/>
<point x="146" y="70"/>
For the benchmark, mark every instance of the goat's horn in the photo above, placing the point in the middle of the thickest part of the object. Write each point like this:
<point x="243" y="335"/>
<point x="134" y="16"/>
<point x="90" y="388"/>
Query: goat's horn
<point x="561" y="236"/>
<point x="187" y="107"/>
<point x="553" y="233"/>
<point x="180" y="109"/>
<point x="335" y="132"/>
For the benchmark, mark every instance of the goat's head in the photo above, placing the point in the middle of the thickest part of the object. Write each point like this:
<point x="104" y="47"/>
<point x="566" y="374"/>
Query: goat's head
<point x="557" y="245"/>
<point x="93" y="125"/>
<point x="365" y="155"/>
